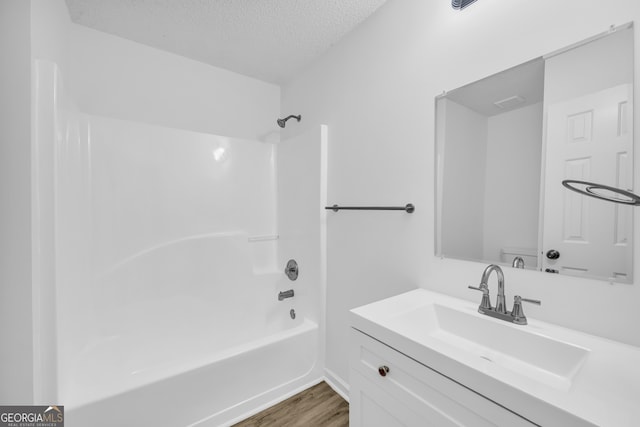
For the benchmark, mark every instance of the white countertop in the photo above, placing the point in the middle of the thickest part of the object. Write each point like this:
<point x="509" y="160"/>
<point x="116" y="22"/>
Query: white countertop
<point x="605" y="390"/>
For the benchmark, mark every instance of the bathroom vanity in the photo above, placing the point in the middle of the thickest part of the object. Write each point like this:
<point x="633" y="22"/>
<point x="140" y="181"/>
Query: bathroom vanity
<point x="389" y="388"/>
<point x="423" y="358"/>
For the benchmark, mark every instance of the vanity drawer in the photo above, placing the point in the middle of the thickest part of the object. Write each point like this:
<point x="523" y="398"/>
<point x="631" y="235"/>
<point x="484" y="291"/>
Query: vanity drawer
<point x="436" y="399"/>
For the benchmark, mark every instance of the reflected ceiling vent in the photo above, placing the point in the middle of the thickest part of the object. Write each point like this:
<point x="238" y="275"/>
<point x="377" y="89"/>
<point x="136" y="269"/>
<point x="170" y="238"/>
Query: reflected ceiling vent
<point x="510" y="102"/>
<point x="461" y="4"/>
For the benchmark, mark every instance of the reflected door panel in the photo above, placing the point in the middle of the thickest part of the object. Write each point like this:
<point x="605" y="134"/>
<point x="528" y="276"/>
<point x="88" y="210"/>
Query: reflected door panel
<point x="589" y="139"/>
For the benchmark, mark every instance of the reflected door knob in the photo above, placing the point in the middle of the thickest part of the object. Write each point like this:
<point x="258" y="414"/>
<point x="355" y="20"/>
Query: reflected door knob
<point x="553" y="254"/>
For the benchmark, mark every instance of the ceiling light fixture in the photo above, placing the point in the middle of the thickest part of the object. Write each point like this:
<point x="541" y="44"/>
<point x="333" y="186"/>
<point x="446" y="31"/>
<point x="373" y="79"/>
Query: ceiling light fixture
<point x="461" y="4"/>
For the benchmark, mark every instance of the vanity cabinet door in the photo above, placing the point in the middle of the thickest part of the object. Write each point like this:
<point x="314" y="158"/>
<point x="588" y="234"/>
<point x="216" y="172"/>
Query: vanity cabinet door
<point x="387" y="385"/>
<point x="371" y="406"/>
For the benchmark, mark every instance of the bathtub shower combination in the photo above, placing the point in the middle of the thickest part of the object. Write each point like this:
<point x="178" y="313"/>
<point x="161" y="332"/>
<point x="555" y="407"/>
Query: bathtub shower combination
<point x="168" y="250"/>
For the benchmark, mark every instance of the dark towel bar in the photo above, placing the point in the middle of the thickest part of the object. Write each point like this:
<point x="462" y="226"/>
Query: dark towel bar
<point x="409" y="208"/>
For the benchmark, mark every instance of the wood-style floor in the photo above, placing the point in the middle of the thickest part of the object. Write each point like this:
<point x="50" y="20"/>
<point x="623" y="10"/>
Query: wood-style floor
<point x="318" y="406"/>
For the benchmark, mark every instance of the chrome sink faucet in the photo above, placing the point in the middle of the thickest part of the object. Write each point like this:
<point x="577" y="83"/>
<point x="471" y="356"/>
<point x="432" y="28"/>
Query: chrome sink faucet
<point x="518" y="262"/>
<point x="501" y="306"/>
<point x="500" y="311"/>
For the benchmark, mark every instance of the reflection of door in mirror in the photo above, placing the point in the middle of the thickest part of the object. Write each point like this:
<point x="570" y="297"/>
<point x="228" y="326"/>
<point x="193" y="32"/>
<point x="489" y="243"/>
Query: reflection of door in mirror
<point x="589" y="138"/>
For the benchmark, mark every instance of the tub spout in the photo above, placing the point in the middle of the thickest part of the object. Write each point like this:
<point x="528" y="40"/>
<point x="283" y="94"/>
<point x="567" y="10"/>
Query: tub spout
<point x="285" y="294"/>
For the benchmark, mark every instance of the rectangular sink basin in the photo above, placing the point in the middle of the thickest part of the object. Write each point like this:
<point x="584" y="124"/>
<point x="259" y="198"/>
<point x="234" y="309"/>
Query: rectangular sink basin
<point x="493" y="346"/>
<point x="547" y="373"/>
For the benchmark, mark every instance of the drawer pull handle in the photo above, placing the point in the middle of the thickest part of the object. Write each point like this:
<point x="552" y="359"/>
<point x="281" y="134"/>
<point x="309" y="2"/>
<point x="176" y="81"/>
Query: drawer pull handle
<point x="383" y="370"/>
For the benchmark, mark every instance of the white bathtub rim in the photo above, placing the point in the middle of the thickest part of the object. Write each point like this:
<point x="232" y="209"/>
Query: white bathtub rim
<point x="306" y="326"/>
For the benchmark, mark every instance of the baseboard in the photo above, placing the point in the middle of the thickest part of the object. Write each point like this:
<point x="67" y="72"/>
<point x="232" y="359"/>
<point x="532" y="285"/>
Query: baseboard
<point x="336" y="383"/>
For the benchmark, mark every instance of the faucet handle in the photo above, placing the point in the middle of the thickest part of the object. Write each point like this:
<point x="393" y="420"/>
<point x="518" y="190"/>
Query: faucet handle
<point x="532" y="301"/>
<point x="483" y="287"/>
<point x="517" y="313"/>
<point x="485" y="304"/>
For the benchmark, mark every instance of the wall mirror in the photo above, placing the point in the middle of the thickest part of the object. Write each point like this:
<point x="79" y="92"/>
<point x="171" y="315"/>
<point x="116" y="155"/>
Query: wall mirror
<point x="504" y="145"/>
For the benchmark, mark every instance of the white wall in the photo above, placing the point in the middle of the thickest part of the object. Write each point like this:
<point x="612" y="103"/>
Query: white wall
<point x="114" y="77"/>
<point x="514" y="152"/>
<point x="376" y="90"/>
<point x="16" y="348"/>
<point x="581" y="71"/>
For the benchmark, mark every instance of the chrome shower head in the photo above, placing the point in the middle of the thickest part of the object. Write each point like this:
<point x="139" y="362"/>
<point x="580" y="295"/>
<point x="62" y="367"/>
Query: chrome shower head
<point x="283" y="122"/>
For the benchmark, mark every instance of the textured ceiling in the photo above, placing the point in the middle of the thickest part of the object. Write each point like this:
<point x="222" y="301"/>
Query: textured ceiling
<point x="271" y="40"/>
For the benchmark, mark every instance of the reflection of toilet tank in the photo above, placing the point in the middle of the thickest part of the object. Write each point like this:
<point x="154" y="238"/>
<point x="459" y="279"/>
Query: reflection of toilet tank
<point x="529" y="255"/>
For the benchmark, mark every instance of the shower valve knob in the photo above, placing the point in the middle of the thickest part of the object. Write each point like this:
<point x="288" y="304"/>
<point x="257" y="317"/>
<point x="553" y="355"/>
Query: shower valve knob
<point x="291" y="270"/>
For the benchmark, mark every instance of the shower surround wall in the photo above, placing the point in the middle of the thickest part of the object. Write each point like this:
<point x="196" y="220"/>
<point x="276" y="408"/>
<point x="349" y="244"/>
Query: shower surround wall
<point x="153" y="228"/>
<point x="166" y="272"/>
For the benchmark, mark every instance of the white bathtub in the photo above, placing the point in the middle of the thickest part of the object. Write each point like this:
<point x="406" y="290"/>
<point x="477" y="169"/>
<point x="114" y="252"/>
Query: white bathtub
<point x="234" y="383"/>
<point x="167" y="348"/>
